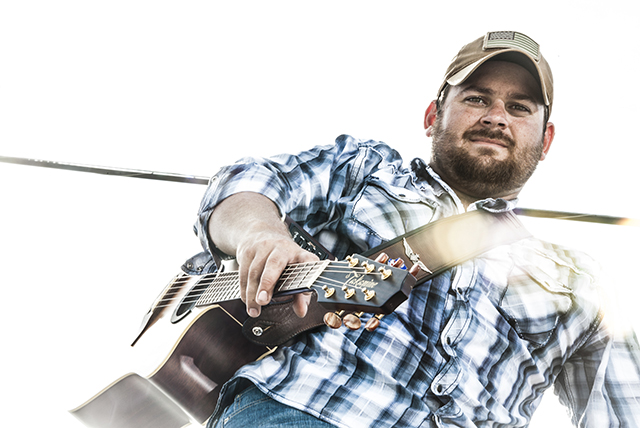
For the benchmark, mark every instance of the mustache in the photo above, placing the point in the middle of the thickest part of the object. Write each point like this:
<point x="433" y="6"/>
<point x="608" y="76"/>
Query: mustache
<point x="488" y="133"/>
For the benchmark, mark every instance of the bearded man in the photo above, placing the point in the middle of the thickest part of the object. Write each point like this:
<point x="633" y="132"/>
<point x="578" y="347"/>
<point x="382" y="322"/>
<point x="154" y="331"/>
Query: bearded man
<point x="477" y="344"/>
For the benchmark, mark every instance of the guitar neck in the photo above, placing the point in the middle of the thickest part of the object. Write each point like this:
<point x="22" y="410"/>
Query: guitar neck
<point x="225" y="286"/>
<point x="356" y="284"/>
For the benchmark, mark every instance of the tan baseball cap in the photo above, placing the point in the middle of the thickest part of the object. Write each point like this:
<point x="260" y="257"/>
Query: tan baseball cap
<point x="511" y="46"/>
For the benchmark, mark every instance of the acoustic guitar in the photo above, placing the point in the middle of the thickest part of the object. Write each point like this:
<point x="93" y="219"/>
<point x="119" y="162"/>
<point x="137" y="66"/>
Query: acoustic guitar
<point x="206" y="316"/>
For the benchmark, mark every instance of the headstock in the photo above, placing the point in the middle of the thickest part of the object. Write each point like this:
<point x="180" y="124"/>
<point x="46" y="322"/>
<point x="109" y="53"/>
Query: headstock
<point x="359" y="284"/>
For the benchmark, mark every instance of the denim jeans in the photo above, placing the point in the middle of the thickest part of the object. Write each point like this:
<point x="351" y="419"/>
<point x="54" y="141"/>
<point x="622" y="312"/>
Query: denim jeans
<point x="252" y="408"/>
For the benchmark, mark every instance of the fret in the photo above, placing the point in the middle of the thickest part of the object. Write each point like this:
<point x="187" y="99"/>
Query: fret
<point x="301" y="275"/>
<point x="225" y="286"/>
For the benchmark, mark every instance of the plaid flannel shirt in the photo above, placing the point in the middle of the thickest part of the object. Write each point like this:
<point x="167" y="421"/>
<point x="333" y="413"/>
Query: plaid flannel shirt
<point x="476" y="346"/>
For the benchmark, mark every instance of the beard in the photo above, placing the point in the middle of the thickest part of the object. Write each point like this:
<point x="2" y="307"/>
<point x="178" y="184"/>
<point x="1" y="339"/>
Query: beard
<point x="482" y="175"/>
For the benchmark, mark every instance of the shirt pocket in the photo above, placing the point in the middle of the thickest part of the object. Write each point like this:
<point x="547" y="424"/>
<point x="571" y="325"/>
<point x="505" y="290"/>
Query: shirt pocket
<point x="534" y="302"/>
<point x="388" y="211"/>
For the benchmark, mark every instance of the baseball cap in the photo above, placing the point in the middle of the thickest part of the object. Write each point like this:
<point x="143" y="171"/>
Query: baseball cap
<point x="511" y="46"/>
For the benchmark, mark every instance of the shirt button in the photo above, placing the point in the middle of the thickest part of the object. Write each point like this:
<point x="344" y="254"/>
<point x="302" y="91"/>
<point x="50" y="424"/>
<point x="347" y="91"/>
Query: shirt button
<point x="438" y="389"/>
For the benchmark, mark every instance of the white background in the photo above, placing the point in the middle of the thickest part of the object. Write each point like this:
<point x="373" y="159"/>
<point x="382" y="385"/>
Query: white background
<point x="186" y="87"/>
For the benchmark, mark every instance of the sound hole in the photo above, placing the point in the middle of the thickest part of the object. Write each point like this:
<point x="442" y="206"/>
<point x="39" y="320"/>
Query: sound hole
<point x="187" y="303"/>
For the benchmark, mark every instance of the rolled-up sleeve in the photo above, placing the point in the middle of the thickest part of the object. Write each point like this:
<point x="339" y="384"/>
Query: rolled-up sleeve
<point x="305" y="185"/>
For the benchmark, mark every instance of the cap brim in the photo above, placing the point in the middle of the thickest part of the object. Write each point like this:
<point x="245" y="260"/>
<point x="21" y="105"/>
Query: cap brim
<point x="463" y="74"/>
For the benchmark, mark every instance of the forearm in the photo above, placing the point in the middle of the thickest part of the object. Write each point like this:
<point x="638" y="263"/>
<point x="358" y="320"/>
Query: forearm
<point x="241" y="215"/>
<point x="248" y="226"/>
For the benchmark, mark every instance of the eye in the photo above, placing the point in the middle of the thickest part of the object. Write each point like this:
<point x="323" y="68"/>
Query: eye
<point x="476" y="100"/>
<point x="521" y="108"/>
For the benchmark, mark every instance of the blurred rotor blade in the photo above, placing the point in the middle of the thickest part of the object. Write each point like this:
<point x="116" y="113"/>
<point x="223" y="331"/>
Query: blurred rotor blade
<point x="154" y="175"/>
<point x="590" y="218"/>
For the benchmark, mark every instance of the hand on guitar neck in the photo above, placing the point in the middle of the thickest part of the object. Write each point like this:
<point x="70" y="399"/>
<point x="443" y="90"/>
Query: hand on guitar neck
<point x="249" y="227"/>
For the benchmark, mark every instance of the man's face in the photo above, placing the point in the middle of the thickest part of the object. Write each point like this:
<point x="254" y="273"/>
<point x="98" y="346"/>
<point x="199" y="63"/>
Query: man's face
<point x="490" y="135"/>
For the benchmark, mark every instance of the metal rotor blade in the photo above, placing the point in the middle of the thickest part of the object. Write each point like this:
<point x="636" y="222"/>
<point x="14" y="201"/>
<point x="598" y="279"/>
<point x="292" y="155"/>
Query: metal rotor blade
<point x="135" y="173"/>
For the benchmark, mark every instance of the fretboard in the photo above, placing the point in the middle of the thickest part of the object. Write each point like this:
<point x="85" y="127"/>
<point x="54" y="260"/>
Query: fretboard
<point x="224" y="286"/>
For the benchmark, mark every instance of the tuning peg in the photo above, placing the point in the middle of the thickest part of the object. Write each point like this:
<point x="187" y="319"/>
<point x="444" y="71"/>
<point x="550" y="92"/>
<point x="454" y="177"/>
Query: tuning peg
<point x="368" y="267"/>
<point x="333" y="320"/>
<point x="414" y="270"/>
<point x="328" y="292"/>
<point x="382" y="258"/>
<point x="373" y="323"/>
<point x="352" y="321"/>
<point x="353" y="262"/>
<point x="386" y="273"/>
<point x="397" y="263"/>
<point x="348" y="292"/>
<point x="368" y="294"/>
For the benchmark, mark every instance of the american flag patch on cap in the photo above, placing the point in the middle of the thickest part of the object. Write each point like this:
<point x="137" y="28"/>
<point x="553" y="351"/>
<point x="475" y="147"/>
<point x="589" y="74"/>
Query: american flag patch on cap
<point x="512" y="40"/>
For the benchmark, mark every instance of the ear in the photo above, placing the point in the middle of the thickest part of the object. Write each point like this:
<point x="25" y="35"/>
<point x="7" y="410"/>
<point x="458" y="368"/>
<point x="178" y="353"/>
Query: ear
<point x="548" y="139"/>
<point x="430" y="118"/>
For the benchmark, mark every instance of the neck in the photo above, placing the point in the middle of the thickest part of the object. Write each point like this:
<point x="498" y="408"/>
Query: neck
<point x="467" y="198"/>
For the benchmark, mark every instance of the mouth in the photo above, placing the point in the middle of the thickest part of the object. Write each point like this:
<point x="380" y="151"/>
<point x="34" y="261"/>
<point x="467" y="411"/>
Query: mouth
<point x="489" y="138"/>
<point x="489" y="142"/>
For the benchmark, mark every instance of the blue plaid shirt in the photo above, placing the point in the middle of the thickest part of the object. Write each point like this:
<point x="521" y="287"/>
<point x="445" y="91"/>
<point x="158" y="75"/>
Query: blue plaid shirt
<point x="476" y="346"/>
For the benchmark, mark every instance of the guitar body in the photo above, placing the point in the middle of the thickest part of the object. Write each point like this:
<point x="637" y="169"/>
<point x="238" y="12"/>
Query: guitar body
<point x="209" y="352"/>
<point x="208" y="355"/>
<point x="131" y="401"/>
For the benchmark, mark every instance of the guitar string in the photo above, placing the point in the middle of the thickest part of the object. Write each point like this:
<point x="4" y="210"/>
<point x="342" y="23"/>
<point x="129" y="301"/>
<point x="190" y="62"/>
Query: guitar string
<point x="228" y="288"/>
<point x="228" y="279"/>
<point x="220" y="298"/>
<point x="291" y="276"/>
<point x="226" y="299"/>
<point x="224" y="279"/>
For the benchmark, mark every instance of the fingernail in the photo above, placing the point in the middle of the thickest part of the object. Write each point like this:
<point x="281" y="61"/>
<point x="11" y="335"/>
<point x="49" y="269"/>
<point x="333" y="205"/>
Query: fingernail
<point x="253" y="312"/>
<point x="262" y="297"/>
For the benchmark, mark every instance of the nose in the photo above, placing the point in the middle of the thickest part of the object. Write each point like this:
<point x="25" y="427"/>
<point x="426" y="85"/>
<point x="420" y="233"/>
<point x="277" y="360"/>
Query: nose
<point x="495" y="116"/>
